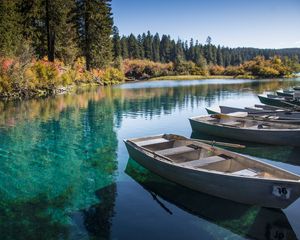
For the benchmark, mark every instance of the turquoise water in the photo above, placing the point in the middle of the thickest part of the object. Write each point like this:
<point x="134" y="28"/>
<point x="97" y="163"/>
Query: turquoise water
<point x="65" y="172"/>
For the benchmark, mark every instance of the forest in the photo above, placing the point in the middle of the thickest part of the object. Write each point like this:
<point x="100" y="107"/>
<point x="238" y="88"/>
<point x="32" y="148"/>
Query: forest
<point x="49" y="46"/>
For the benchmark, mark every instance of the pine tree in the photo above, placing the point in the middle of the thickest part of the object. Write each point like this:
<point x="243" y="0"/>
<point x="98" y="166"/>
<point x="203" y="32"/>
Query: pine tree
<point x="155" y="48"/>
<point x="66" y="47"/>
<point x="49" y="26"/>
<point x="33" y="25"/>
<point x="124" y="47"/>
<point x="133" y="47"/>
<point x="165" y="49"/>
<point x="179" y="54"/>
<point x="116" y="43"/>
<point x="148" y="45"/>
<point x="220" y="60"/>
<point x="141" y="47"/>
<point x="10" y="27"/>
<point x="94" y="26"/>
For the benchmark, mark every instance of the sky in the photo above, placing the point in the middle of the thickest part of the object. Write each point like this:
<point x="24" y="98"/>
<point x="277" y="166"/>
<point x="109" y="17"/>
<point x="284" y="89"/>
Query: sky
<point x="232" y="23"/>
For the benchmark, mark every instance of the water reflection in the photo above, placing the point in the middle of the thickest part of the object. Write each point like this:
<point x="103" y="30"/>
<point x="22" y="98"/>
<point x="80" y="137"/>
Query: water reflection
<point x="96" y="221"/>
<point x="137" y="101"/>
<point x="245" y="221"/>
<point x="61" y="161"/>
<point x="52" y="164"/>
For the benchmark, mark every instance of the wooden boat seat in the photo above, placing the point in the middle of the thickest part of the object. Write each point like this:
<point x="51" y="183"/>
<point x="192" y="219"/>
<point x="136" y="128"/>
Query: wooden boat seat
<point x="174" y="151"/>
<point x="204" y="161"/>
<point x="247" y="172"/>
<point x="231" y="124"/>
<point x="152" y="141"/>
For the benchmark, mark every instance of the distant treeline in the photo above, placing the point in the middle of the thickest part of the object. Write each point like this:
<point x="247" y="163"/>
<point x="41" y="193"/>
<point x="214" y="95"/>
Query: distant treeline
<point x="165" y="49"/>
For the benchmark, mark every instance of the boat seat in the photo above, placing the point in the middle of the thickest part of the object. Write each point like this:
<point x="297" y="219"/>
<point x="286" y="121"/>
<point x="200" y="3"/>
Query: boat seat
<point x="247" y="172"/>
<point x="238" y="114"/>
<point x="151" y="141"/>
<point x="174" y="151"/>
<point x="204" y="161"/>
<point x="231" y="124"/>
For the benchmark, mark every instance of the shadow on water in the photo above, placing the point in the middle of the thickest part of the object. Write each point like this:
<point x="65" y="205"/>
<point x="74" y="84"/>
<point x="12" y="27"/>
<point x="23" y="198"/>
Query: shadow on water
<point x="96" y="221"/>
<point x="285" y="154"/>
<point x="243" y="220"/>
<point x="33" y="218"/>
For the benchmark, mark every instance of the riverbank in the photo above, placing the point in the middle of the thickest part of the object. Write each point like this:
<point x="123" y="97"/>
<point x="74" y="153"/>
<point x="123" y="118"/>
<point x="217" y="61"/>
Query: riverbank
<point x="190" y="77"/>
<point x="20" y="79"/>
<point x="200" y="77"/>
<point x="42" y="93"/>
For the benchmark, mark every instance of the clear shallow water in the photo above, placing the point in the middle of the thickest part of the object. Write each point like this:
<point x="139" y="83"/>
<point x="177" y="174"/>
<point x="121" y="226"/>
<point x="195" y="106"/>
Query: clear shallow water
<point x="65" y="172"/>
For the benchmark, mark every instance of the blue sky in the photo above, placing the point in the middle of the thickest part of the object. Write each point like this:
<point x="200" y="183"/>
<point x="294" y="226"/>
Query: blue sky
<point x="233" y="23"/>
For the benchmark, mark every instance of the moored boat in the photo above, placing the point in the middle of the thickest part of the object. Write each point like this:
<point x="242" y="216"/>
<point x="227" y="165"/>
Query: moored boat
<point x="258" y="223"/>
<point x="285" y="93"/>
<point x="279" y="101"/>
<point x="215" y="171"/>
<point x="281" y="116"/>
<point x="247" y="130"/>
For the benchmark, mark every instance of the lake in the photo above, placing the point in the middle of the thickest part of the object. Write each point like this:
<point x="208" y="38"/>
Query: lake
<point x="65" y="172"/>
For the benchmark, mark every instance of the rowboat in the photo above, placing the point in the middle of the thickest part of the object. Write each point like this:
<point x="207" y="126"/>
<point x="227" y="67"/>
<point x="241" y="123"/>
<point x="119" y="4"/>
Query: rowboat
<point x="281" y="116"/>
<point x="259" y="223"/>
<point x="244" y="129"/>
<point x="279" y="101"/>
<point x="285" y="93"/>
<point x="215" y="171"/>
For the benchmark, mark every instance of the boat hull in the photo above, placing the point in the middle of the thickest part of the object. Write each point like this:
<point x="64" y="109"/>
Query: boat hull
<point x="291" y="117"/>
<point x="285" y="94"/>
<point x="278" y="102"/>
<point x="244" y="190"/>
<point x="274" y="137"/>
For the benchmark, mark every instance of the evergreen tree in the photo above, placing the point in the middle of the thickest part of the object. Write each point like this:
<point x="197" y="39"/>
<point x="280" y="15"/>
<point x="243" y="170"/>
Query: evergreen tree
<point x="94" y="26"/>
<point x="65" y="45"/>
<point x="124" y="47"/>
<point x="147" y="42"/>
<point x="141" y="47"/>
<point x="10" y="28"/>
<point x="33" y="25"/>
<point x="165" y="49"/>
<point x="208" y="40"/>
<point x="220" y="60"/>
<point x="155" y="48"/>
<point x="179" y="52"/>
<point x="116" y="43"/>
<point x="191" y="51"/>
<point x="133" y="47"/>
<point x="49" y="26"/>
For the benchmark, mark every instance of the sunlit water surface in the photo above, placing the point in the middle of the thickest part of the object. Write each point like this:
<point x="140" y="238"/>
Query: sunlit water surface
<point x="65" y="172"/>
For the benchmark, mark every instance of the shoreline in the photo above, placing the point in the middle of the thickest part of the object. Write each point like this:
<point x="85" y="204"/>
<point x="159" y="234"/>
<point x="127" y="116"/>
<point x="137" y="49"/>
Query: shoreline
<point x="190" y="77"/>
<point x="201" y="77"/>
<point x="43" y="93"/>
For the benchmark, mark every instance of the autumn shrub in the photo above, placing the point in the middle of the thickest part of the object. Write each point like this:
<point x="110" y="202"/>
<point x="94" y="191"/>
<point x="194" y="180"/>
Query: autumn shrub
<point x="112" y="76"/>
<point x="216" y="70"/>
<point x="261" y="67"/>
<point x="185" y="68"/>
<point x="144" y="69"/>
<point x="234" y="71"/>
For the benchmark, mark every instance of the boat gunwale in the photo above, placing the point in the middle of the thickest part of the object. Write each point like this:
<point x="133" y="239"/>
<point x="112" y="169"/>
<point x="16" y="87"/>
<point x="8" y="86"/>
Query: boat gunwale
<point x="169" y="161"/>
<point x="247" y="128"/>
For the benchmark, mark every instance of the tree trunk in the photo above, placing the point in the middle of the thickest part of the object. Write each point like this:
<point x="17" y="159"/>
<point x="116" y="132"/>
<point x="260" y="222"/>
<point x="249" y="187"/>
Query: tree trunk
<point x="50" y="35"/>
<point x="87" y="36"/>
